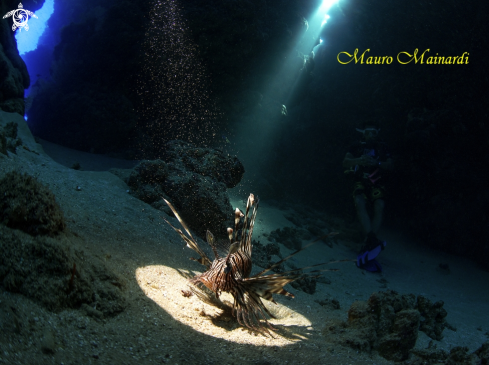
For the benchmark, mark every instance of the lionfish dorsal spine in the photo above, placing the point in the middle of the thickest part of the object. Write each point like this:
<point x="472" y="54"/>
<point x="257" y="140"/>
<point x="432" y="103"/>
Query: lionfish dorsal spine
<point x="247" y="244"/>
<point x="190" y="241"/>
<point x="249" y="203"/>
<point x="212" y="242"/>
<point x="238" y="214"/>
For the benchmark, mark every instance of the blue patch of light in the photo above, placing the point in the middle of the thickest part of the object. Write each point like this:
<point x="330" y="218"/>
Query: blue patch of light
<point x="27" y="40"/>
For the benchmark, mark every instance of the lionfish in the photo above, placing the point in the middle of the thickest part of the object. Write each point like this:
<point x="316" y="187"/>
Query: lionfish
<point x="231" y="273"/>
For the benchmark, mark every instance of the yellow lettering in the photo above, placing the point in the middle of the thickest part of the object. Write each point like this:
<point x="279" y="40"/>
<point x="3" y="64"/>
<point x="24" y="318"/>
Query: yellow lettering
<point x="363" y="54"/>
<point x="387" y="59"/>
<point x="344" y="63"/>
<point x="354" y="56"/>
<point x="429" y="61"/>
<point x="448" y="61"/>
<point x="412" y="57"/>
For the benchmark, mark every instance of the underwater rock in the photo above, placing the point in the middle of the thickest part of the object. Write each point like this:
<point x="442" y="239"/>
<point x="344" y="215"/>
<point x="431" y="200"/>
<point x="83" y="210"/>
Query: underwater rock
<point x="332" y="304"/>
<point x="29" y="205"/>
<point x="483" y="353"/>
<point x="147" y="181"/>
<point x="194" y="179"/>
<point x="14" y="77"/>
<point x="396" y="345"/>
<point x="306" y="284"/>
<point x="9" y="140"/>
<point x="204" y="161"/>
<point x="457" y="356"/>
<point x="287" y="236"/>
<point x="262" y="255"/>
<point x="9" y="320"/>
<point x="51" y="272"/>
<point x="433" y="322"/>
<point x="388" y="323"/>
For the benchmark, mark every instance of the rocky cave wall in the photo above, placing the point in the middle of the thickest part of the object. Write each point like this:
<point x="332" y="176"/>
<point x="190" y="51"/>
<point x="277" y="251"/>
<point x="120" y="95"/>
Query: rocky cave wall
<point x="14" y="77"/>
<point x="100" y="58"/>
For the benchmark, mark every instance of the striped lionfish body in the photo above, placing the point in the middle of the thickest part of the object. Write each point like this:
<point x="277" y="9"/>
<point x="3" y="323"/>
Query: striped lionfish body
<point x="231" y="273"/>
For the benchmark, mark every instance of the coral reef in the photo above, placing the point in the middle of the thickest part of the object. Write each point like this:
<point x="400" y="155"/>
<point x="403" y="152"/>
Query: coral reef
<point x="30" y="206"/>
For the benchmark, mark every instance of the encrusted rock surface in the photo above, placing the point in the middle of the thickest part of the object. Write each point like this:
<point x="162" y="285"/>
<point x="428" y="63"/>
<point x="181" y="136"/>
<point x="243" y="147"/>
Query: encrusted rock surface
<point x="195" y="180"/>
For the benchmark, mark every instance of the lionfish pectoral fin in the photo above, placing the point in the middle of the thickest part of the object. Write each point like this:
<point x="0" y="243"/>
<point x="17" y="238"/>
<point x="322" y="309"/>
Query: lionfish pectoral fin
<point x="200" y="260"/>
<point x="286" y="293"/>
<point x="265" y="286"/>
